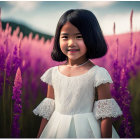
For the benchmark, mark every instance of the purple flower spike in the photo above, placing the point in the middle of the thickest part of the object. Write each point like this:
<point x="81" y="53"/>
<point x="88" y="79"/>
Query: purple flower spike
<point x="17" y="104"/>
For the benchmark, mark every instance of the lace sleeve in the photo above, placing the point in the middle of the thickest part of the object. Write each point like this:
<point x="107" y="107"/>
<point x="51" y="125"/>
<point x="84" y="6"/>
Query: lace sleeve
<point x="102" y="76"/>
<point x="106" y="108"/>
<point x="47" y="76"/>
<point x="45" y="108"/>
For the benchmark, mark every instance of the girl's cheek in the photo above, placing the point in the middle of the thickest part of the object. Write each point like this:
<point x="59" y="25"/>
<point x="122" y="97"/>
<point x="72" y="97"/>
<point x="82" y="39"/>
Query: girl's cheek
<point x="64" y="44"/>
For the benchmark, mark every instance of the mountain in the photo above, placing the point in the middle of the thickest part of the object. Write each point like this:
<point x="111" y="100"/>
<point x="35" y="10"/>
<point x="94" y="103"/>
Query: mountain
<point x="25" y="29"/>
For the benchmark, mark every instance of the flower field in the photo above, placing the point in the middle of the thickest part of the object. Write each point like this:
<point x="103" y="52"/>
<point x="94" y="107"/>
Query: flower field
<point x="24" y="59"/>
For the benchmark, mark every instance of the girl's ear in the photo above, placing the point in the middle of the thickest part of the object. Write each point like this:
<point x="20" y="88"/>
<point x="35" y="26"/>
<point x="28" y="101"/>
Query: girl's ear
<point x="96" y="94"/>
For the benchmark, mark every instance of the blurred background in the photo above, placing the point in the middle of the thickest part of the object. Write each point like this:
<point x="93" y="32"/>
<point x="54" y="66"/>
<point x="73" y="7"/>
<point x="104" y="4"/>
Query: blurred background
<point x="27" y="29"/>
<point x="43" y="16"/>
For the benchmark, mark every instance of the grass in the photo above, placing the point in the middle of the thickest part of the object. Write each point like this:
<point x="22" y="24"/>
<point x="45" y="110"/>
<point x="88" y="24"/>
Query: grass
<point x="134" y="88"/>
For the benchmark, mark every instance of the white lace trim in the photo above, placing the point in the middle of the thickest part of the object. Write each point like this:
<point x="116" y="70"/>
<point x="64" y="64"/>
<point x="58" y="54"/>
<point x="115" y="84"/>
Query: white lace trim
<point x="104" y="81"/>
<point x="106" y="108"/>
<point x="45" y="108"/>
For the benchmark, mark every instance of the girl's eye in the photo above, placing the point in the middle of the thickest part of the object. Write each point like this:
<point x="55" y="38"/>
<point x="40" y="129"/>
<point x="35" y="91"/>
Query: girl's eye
<point x="79" y="36"/>
<point x="64" y="37"/>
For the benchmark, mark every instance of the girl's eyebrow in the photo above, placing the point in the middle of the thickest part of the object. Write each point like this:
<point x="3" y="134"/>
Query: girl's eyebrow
<point x="68" y="34"/>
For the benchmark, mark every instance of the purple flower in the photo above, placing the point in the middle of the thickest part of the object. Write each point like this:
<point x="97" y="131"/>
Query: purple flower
<point x="15" y="126"/>
<point x="17" y="104"/>
<point x="16" y="59"/>
<point x="121" y="93"/>
<point x="8" y="65"/>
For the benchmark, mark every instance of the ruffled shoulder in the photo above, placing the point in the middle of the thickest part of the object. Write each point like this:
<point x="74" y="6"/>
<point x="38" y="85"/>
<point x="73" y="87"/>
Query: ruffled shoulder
<point x="102" y="76"/>
<point x="47" y="76"/>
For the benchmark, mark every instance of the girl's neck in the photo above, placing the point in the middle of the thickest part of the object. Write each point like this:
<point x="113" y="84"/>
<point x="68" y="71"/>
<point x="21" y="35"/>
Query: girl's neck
<point x="76" y="63"/>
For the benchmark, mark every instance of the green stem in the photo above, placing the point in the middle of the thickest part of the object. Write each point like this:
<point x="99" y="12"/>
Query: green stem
<point x="10" y="108"/>
<point x="11" y="117"/>
<point x="4" y="119"/>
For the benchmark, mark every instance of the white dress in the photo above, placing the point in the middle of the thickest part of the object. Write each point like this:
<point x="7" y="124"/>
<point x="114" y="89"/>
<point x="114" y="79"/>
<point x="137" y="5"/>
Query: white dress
<point x="74" y="113"/>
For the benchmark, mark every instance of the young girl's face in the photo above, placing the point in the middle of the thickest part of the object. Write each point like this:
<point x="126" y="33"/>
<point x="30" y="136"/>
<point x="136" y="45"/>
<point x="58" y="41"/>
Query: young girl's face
<point x="72" y="43"/>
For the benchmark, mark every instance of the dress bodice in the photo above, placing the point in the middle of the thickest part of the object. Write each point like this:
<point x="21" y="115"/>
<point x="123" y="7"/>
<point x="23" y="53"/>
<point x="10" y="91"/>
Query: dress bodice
<point x="75" y="94"/>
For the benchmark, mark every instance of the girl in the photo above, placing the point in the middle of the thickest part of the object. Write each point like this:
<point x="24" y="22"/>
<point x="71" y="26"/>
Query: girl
<point x="70" y="105"/>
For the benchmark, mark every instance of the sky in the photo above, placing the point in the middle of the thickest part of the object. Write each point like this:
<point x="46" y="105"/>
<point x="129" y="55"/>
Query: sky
<point x="43" y="16"/>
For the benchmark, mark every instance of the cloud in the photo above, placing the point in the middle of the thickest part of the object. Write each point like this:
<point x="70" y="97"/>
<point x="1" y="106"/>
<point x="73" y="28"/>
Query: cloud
<point x="95" y="4"/>
<point x="22" y="5"/>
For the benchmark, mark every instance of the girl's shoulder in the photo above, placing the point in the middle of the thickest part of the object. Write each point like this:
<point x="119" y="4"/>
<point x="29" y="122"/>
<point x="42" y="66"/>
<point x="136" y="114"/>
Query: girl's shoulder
<point x="51" y="68"/>
<point x="101" y="69"/>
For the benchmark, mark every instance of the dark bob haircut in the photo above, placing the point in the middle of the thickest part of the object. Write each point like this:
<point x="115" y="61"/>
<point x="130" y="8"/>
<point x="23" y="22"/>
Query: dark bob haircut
<point x="86" y="22"/>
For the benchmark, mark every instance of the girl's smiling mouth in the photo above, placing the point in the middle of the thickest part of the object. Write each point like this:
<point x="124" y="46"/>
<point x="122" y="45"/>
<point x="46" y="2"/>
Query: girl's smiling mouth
<point x="73" y="50"/>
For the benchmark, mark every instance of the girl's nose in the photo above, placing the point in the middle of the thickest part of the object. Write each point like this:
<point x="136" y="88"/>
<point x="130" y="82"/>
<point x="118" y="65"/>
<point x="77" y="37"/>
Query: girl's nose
<point x="71" y="42"/>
